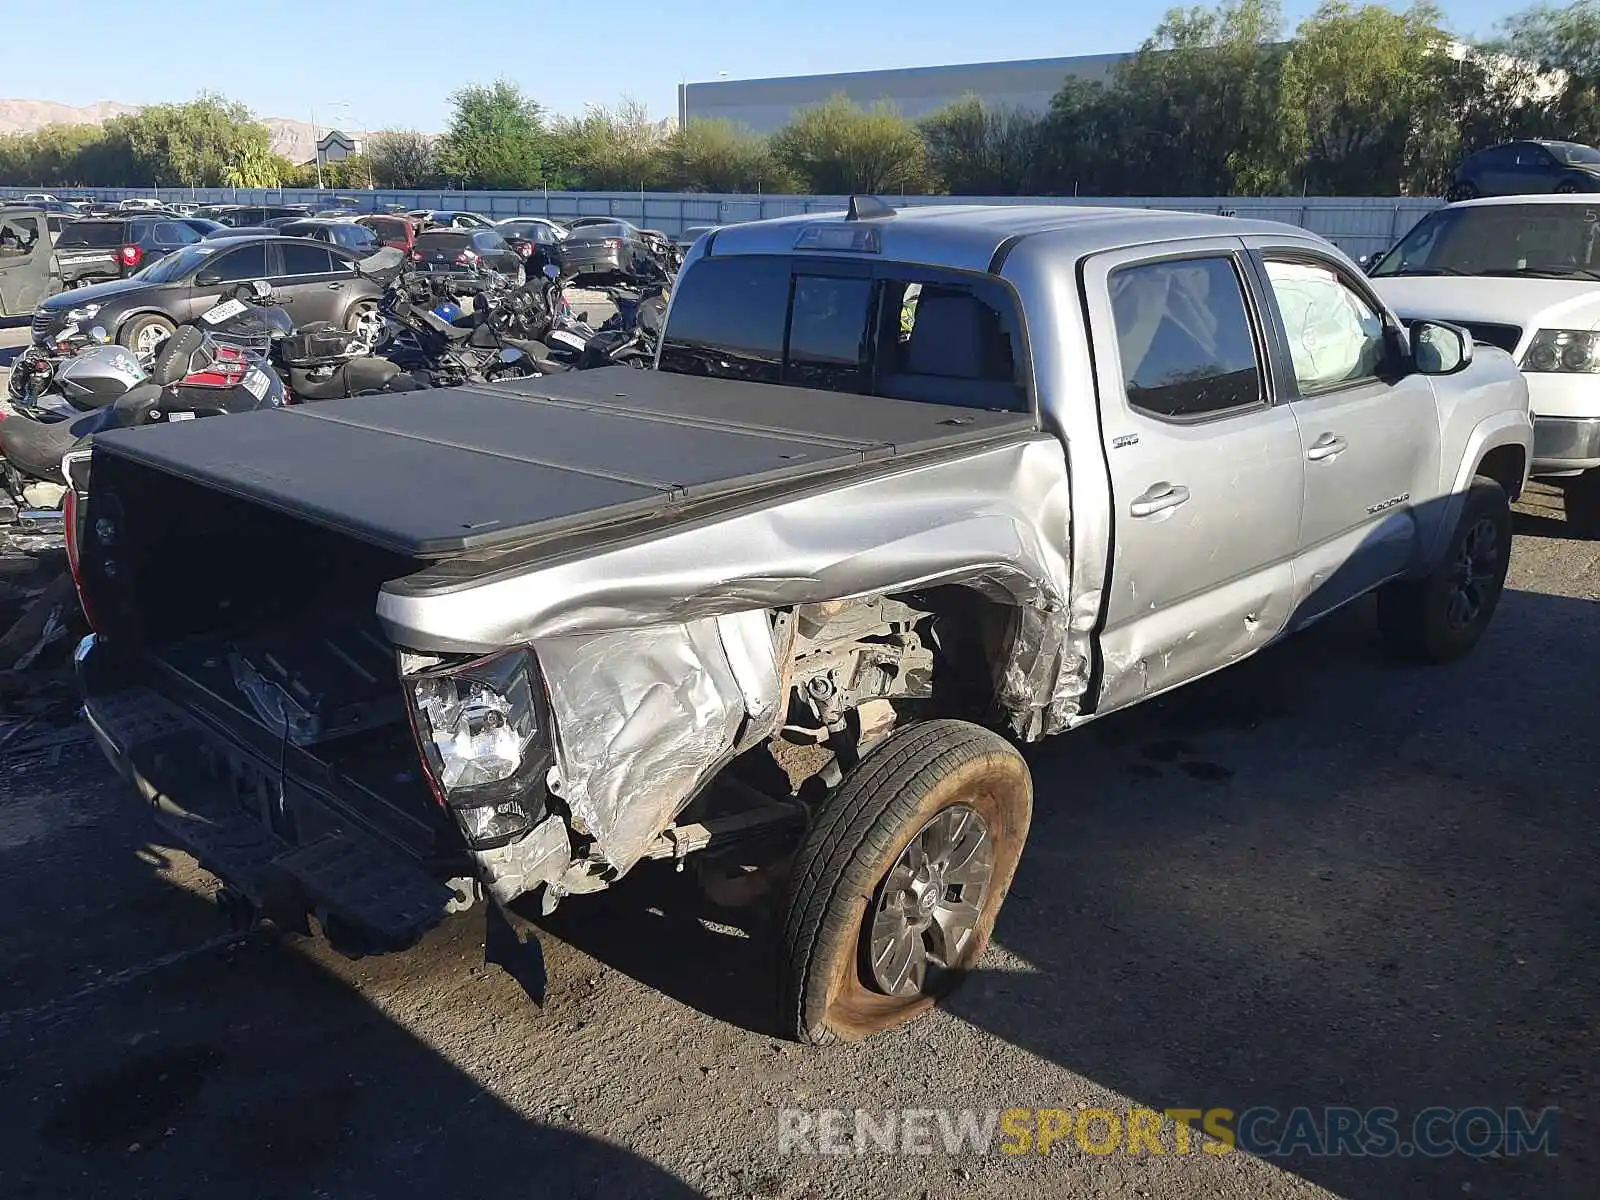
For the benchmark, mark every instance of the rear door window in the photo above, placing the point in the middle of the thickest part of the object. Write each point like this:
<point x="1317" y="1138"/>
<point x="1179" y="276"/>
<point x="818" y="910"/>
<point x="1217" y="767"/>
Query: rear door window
<point x="171" y="233"/>
<point x="247" y="262"/>
<point x="301" y="259"/>
<point x="1184" y="338"/>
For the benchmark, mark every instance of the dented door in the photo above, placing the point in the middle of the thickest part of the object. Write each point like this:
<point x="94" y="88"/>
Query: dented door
<point x="1205" y="467"/>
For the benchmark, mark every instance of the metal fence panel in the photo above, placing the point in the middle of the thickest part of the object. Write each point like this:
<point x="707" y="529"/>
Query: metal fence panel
<point x="1357" y="224"/>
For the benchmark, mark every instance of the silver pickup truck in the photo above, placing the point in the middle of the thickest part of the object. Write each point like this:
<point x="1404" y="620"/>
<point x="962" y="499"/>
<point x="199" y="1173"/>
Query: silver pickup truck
<point x="907" y="488"/>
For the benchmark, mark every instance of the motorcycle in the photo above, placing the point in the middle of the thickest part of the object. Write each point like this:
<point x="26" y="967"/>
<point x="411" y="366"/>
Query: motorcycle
<point x="631" y="335"/>
<point x="218" y="364"/>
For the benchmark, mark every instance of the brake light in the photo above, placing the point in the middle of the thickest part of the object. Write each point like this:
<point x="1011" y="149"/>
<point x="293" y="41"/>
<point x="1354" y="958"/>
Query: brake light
<point x="69" y="513"/>
<point x="132" y="256"/>
<point x="416" y="256"/>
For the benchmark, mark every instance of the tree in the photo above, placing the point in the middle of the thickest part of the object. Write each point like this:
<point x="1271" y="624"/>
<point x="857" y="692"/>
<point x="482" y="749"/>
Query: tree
<point x="1563" y="45"/>
<point x="496" y="138"/>
<point x="715" y="155"/>
<point x="1199" y="100"/>
<point x="838" y="148"/>
<point x="400" y="158"/>
<point x="612" y="149"/>
<point x="203" y="143"/>
<point x="1364" y="104"/>
<point x="975" y="150"/>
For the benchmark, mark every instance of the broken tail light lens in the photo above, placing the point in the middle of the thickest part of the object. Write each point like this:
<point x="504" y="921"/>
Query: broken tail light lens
<point x="484" y="737"/>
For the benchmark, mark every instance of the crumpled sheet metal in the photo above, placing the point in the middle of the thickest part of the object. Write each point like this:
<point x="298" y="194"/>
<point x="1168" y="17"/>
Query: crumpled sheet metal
<point x="644" y="716"/>
<point x="539" y="856"/>
<point x="999" y="517"/>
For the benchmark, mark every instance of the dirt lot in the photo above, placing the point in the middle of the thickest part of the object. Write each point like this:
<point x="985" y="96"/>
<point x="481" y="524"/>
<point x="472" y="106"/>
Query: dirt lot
<point x="1316" y="879"/>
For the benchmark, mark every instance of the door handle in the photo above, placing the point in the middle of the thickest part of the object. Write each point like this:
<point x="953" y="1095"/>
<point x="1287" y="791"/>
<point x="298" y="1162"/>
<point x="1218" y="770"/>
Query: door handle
<point x="1159" y="497"/>
<point x="334" y="287"/>
<point x="1329" y="445"/>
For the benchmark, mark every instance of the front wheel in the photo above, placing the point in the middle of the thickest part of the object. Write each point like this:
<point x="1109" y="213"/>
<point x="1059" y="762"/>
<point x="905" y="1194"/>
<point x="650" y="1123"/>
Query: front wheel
<point x="896" y="886"/>
<point x="145" y="335"/>
<point x="367" y="323"/>
<point x="1440" y="617"/>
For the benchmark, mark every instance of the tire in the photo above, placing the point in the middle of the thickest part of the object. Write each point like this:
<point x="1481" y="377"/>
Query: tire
<point x="1462" y="191"/>
<point x="905" y="789"/>
<point x="1581" y="498"/>
<point x="148" y="330"/>
<point x="1566" y="188"/>
<point x="364" y="316"/>
<point x="1440" y="617"/>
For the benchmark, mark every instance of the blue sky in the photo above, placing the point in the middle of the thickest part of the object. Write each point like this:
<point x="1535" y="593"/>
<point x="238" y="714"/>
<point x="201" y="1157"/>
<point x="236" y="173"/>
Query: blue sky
<point x="395" y="61"/>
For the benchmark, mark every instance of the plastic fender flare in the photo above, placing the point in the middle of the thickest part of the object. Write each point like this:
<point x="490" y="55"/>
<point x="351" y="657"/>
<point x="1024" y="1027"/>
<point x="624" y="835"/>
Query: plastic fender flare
<point x="1501" y="429"/>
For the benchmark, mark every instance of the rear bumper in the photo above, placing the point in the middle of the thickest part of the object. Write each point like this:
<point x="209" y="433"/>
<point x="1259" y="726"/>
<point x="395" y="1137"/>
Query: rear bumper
<point x="274" y="838"/>
<point x="1563" y="445"/>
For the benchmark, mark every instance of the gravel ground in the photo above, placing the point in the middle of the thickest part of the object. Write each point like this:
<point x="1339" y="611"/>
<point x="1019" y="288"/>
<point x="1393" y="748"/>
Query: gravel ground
<point x="1315" y="879"/>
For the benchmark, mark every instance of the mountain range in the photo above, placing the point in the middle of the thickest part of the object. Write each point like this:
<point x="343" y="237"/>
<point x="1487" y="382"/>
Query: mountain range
<point x="290" y="138"/>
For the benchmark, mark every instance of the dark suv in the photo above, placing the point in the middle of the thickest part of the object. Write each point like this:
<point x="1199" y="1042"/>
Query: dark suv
<point x="98" y="248"/>
<point x="347" y="235"/>
<point x="1526" y="168"/>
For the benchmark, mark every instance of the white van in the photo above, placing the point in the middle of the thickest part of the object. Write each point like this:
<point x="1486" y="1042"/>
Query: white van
<point x="1521" y="273"/>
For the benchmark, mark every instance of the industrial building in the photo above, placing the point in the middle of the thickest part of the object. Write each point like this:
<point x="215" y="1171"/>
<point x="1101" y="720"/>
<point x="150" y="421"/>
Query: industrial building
<point x="766" y="105"/>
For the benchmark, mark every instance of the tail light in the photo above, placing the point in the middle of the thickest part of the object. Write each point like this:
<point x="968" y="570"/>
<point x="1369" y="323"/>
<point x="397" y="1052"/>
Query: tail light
<point x="75" y="467"/>
<point x="612" y="244"/>
<point x="467" y="257"/>
<point x="416" y="256"/>
<point x="484" y="739"/>
<point x="131" y="256"/>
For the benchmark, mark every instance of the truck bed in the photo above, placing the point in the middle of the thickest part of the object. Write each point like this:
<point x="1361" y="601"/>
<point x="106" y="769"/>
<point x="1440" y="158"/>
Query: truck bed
<point x="440" y="473"/>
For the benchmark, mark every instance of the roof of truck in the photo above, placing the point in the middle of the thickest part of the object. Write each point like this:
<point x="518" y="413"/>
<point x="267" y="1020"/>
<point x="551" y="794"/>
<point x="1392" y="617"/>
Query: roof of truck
<point x="969" y="236"/>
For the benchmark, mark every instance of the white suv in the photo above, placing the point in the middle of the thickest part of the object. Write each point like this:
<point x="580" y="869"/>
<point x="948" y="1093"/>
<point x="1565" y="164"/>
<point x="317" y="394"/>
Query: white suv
<point x="1521" y="273"/>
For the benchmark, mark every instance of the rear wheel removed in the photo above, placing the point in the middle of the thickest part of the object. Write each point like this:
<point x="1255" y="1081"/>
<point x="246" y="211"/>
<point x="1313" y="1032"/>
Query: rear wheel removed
<point x="895" y="889"/>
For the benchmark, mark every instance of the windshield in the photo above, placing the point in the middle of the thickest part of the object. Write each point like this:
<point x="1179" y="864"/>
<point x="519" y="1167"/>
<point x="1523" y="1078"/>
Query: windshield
<point x="1572" y="152"/>
<point x="176" y="265"/>
<point x="1543" y="240"/>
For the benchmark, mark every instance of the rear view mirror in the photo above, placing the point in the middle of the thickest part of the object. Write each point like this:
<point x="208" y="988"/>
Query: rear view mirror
<point x="1440" y="349"/>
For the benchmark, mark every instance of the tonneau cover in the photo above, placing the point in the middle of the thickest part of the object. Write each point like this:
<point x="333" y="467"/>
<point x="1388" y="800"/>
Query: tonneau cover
<point x="436" y="473"/>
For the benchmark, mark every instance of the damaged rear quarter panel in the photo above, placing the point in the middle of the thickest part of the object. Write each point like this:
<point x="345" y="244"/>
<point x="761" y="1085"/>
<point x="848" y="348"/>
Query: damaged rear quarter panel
<point x="661" y="657"/>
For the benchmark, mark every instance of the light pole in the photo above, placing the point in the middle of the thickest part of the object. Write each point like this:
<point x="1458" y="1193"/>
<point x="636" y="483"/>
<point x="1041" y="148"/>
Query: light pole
<point x="316" y="145"/>
<point x="350" y="112"/>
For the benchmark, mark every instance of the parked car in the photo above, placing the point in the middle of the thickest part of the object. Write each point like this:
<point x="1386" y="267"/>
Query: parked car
<point x="97" y="248"/>
<point x="241" y="215"/>
<point x="185" y="209"/>
<point x="609" y="250"/>
<point x="692" y="234"/>
<point x="462" y="252"/>
<point x="202" y="226"/>
<point x="534" y="229"/>
<point x="28" y="271"/>
<point x="1526" y="168"/>
<point x="660" y="244"/>
<point x="1521" y="273"/>
<point x="449" y="218"/>
<point x="39" y="198"/>
<point x="357" y="239"/>
<point x="397" y="231"/>
<point x="319" y="282"/>
<point x="928" y="472"/>
<point x="141" y="204"/>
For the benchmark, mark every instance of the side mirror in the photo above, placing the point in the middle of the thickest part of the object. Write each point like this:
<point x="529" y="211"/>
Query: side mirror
<point x="1440" y="349"/>
<point x="207" y="279"/>
<point x="551" y="271"/>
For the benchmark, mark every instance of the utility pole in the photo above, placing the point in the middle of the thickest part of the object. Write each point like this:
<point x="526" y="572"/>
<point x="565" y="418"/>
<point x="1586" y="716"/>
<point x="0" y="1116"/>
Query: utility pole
<point x="317" y="146"/>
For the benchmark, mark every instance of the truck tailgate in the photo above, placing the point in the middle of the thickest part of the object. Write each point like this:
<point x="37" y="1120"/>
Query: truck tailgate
<point x="437" y="473"/>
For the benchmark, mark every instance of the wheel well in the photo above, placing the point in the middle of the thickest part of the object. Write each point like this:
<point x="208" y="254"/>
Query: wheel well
<point x="129" y="318"/>
<point x="1505" y="465"/>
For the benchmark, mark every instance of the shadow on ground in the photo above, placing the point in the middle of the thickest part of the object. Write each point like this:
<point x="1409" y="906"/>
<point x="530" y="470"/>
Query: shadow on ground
<point x="172" y="1082"/>
<point x="1314" y="879"/>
